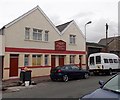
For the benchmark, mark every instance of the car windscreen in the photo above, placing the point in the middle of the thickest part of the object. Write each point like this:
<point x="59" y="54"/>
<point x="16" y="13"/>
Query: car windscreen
<point x="113" y="84"/>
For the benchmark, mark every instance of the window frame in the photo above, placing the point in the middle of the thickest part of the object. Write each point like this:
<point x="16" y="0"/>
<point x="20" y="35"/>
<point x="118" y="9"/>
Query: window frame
<point x="26" y="60"/>
<point x="72" y="39"/>
<point x="37" y="34"/>
<point x="46" y="57"/>
<point x="72" y="59"/>
<point x="46" y="38"/>
<point x="27" y="33"/>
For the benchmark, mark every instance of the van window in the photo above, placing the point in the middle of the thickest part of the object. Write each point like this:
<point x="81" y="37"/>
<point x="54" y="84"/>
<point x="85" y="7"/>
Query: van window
<point x="98" y="60"/>
<point x="106" y="61"/>
<point x="110" y="60"/>
<point x="92" y="62"/>
<point x="115" y="60"/>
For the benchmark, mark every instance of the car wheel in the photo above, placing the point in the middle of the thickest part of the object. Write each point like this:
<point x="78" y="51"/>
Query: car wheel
<point x="86" y="75"/>
<point x="53" y="79"/>
<point x="65" y="78"/>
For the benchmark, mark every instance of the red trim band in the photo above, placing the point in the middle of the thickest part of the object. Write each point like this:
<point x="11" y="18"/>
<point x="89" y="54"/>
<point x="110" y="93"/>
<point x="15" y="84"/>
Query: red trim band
<point x="29" y="50"/>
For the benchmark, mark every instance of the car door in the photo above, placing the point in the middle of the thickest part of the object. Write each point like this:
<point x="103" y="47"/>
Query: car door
<point x="75" y="71"/>
<point x="68" y="71"/>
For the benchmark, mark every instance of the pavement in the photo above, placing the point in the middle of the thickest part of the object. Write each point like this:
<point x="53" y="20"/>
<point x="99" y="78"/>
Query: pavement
<point x="15" y="82"/>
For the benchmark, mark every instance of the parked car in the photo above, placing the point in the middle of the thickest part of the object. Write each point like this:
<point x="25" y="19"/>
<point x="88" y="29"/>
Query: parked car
<point x="107" y="91"/>
<point x="67" y="72"/>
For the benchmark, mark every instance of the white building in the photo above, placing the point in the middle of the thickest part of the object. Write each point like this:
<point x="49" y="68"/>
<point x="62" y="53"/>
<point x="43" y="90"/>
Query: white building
<point x="32" y="40"/>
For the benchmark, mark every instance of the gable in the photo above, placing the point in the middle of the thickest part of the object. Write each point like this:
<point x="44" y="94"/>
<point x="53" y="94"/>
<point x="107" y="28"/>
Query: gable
<point x="37" y="8"/>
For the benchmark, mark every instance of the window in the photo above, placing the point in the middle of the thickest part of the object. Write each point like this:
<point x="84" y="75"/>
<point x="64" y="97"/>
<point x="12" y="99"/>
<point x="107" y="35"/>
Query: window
<point x="106" y="61"/>
<point x="46" y="59"/>
<point x="36" y="59"/>
<point x="98" y="60"/>
<point x="27" y="33"/>
<point x="72" y="39"/>
<point x="92" y="62"/>
<point x="37" y="34"/>
<point x="26" y="60"/>
<point x="110" y="60"/>
<point x="115" y="60"/>
<point x="46" y="35"/>
<point x="75" y="68"/>
<point x="72" y="59"/>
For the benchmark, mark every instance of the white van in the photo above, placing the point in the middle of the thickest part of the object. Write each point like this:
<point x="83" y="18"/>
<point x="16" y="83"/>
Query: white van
<point x="103" y="63"/>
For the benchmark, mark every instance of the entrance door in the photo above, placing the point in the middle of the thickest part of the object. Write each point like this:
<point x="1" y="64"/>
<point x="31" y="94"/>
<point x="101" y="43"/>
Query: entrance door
<point x="61" y="60"/>
<point x="53" y="61"/>
<point x="13" y="65"/>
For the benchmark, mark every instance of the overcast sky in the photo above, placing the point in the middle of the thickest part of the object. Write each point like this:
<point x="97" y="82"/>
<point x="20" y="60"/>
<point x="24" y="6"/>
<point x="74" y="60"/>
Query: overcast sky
<point x="99" y="12"/>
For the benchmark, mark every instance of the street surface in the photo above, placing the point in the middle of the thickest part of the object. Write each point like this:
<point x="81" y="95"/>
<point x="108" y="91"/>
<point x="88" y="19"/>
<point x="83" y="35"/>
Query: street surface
<point x="70" y="89"/>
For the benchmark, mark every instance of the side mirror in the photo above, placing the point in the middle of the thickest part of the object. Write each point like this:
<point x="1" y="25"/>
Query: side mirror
<point x="101" y="83"/>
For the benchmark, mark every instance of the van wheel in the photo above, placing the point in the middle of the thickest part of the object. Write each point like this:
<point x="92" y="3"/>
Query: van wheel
<point x="109" y="72"/>
<point x="65" y="78"/>
<point x="86" y="75"/>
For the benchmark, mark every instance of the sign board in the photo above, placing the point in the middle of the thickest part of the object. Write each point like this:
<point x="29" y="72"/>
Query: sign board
<point x="60" y="45"/>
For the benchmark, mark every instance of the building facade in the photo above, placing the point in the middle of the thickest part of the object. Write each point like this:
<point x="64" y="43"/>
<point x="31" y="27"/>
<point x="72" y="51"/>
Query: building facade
<point x="33" y="41"/>
<point x="113" y="44"/>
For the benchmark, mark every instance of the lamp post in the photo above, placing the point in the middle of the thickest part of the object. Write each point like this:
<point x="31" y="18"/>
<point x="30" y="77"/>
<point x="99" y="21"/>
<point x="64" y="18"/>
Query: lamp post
<point x="85" y="27"/>
<point x="86" y="42"/>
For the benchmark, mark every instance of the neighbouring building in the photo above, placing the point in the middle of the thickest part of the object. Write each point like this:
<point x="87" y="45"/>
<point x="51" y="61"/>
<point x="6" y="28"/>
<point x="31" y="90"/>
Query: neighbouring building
<point x="32" y="40"/>
<point x="113" y="44"/>
<point x="94" y="48"/>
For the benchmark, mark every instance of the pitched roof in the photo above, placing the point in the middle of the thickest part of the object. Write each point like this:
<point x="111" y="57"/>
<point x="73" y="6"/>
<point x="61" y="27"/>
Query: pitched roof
<point x="29" y="12"/>
<point x="103" y="41"/>
<point x="63" y="26"/>
<point x="92" y="44"/>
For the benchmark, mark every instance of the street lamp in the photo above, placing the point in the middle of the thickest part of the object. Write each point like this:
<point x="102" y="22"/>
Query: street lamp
<point x="85" y="42"/>
<point x="85" y="27"/>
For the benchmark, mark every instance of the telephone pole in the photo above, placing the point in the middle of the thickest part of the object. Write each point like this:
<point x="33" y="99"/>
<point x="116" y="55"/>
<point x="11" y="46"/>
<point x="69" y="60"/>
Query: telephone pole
<point x="106" y="37"/>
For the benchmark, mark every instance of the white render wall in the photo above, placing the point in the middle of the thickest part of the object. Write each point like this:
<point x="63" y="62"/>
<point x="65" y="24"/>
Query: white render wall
<point x="80" y="40"/>
<point x="2" y="45"/>
<point x="15" y="34"/>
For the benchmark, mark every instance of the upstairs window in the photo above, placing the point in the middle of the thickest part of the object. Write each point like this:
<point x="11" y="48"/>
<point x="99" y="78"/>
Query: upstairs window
<point x="46" y="35"/>
<point x="37" y="34"/>
<point x="27" y="33"/>
<point x="72" y="39"/>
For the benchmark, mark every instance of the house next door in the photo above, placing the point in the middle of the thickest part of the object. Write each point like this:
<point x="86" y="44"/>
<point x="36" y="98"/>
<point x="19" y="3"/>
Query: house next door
<point x="13" y="65"/>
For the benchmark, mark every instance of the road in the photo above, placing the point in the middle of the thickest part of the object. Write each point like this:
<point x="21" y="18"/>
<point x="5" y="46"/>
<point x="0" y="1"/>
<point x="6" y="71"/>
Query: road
<point x="70" y="89"/>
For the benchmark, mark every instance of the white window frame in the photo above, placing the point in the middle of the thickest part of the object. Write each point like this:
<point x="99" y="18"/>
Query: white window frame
<point x="37" y="34"/>
<point x="46" y="59"/>
<point x="26" y="60"/>
<point x="27" y="33"/>
<point x="72" y="59"/>
<point x="72" y="39"/>
<point x="46" y="35"/>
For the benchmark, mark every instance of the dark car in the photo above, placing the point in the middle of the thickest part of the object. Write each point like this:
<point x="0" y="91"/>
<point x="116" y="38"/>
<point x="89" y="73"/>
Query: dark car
<point x="107" y="91"/>
<point x="67" y="72"/>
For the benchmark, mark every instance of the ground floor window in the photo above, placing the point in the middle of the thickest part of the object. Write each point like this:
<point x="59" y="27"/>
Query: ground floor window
<point x="36" y="59"/>
<point x="46" y="59"/>
<point x="72" y="59"/>
<point x="26" y="60"/>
